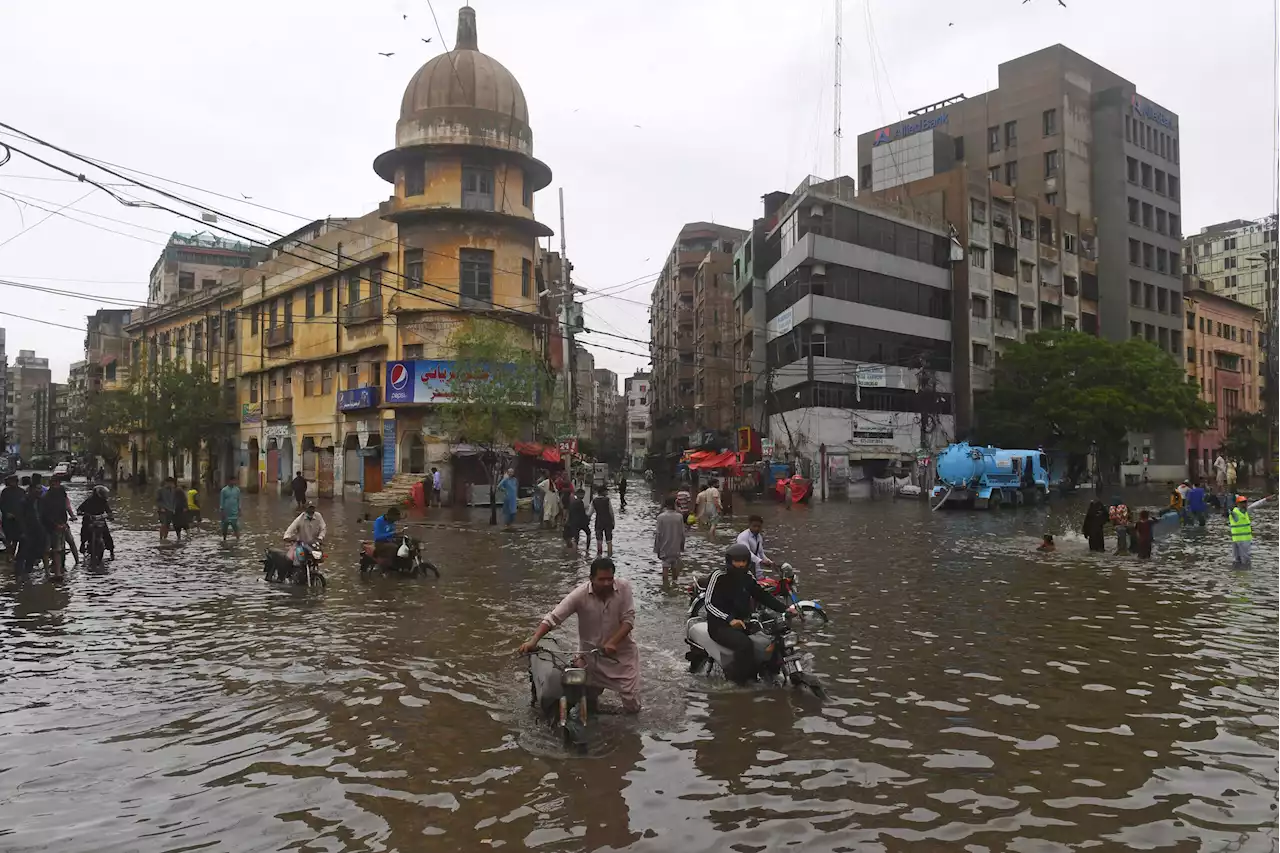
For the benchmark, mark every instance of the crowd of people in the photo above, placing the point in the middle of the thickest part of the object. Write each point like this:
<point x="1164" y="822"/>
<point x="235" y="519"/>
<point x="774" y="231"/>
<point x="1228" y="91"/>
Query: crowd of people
<point x="36" y="522"/>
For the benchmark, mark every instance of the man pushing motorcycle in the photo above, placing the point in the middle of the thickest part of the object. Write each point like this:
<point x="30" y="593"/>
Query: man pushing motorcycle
<point x="731" y="595"/>
<point x="606" y="615"/>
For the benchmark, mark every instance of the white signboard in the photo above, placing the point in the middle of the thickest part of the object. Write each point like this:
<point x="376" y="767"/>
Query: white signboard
<point x="779" y="325"/>
<point x="278" y="431"/>
<point x="871" y="376"/>
<point x="766" y="448"/>
<point x="362" y="432"/>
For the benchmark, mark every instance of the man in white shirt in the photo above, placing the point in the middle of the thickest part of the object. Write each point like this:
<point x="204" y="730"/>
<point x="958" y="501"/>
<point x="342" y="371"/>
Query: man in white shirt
<point x="753" y="538"/>
<point x="708" y="504"/>
<point x="1220" y="472"/>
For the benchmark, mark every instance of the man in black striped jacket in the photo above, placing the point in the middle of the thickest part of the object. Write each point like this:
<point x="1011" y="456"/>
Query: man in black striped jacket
<point x="732" y="595"/>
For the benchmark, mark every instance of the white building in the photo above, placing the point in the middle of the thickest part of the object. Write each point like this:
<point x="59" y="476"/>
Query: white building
<point x="1237" y="258"/>
<point x="637" y="415"/>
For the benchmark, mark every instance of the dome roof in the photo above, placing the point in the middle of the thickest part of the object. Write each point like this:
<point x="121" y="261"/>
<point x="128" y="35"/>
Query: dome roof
<point x="464" y="97"/>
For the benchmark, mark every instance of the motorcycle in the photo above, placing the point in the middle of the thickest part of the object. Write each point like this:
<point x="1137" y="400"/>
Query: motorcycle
<point x="278" y="566"/>
<point x="782" y="588"/>
<point x="97" y="544"/>
<point x="775" y="653"/>
<point x="407" y="561"/>
<point x="558" y="690"/>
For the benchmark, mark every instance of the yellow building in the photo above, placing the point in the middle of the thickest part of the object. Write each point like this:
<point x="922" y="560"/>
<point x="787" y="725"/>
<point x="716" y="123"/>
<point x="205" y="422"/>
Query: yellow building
<point x="341" y="302"/>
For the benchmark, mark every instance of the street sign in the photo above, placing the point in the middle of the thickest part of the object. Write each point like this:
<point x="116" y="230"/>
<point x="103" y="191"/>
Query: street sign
<point x="568" y="446"/>
<point x="766" y="448"/>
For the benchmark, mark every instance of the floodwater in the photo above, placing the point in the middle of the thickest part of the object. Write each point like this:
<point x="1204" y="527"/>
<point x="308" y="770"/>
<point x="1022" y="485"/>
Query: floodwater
<point x="983" y="697"/>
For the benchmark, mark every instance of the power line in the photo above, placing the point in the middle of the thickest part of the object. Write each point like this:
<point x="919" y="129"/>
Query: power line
<point x="47" y="217"/>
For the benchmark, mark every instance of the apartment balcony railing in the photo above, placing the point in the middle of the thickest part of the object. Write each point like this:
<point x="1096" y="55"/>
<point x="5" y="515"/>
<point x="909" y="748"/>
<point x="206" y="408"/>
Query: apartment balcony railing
<point x="364" y="311"/>
<point x="280" y="336"/>
<point x="280" y="409"/>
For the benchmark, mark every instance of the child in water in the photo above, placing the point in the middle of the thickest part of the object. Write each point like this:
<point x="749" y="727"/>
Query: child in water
<point x="1144" y="533"/>
<point x="1047" y="543"/>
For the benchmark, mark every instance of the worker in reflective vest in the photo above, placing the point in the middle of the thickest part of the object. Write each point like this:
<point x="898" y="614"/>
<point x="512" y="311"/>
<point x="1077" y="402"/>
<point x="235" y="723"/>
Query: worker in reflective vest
<point x="1242" y="530"/>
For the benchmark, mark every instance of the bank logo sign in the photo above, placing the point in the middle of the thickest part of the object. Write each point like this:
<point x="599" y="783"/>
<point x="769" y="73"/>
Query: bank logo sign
<point x="1144" y="110"/>
<point x="888" y="134"/>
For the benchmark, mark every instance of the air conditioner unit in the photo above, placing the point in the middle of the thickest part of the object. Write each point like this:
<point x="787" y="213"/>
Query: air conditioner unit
<point x="816" y="210"/>
<point x="818" y="269"/>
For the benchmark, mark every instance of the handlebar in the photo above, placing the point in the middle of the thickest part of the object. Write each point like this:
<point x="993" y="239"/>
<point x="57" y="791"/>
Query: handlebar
<point x="561" y="660"/>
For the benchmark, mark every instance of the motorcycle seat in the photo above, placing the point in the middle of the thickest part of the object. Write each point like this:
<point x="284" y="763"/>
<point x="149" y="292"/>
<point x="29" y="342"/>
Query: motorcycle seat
<point x="697" y="632"/>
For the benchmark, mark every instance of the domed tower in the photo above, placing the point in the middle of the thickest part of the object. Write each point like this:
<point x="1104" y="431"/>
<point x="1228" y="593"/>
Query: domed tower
<point x="464" y="177"/>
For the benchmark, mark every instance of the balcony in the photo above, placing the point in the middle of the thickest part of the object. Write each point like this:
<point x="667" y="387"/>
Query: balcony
<point x="280" y="336"/>
<point x="1004" y="283"/>
<point x="980" y="328"/>
<point x="1006" y="328"/>
<point x="278" y="410"/>
<point x="1048" y="254"/>
<point x="364" y="311"/>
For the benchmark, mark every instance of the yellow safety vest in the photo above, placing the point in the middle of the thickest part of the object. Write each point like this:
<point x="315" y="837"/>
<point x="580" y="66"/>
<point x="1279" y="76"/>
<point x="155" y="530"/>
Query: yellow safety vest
<point x="1241" y="525"/>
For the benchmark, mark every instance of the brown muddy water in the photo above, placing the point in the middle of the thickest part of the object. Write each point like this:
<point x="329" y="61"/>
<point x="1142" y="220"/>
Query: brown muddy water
<point x="983" y="697"/>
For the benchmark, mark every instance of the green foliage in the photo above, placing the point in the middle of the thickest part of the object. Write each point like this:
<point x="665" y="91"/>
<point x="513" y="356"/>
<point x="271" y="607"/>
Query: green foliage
<point x="105" y="423"/>
<point x="496" y="384"/>
<point x="1072" y="391"/>
<point x="181" y="407"/>
<point x="1248" y="437"/>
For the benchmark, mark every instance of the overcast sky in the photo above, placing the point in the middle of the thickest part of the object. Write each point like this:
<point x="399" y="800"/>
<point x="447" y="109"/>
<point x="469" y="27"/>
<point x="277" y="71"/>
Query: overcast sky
<point x="650" y="114"/>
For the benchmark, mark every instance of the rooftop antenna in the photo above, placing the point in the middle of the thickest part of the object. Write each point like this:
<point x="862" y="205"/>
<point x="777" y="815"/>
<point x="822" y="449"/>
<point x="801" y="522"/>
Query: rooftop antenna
<point x="835" y="160"/>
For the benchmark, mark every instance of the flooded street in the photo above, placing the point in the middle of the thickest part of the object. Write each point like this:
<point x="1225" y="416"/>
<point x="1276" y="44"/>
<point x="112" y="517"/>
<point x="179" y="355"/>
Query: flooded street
<point x="983" y="697"/>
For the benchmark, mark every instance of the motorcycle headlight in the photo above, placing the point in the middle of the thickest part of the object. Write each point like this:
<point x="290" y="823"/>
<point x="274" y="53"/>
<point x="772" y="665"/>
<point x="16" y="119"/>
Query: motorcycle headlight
<point x="319" y="555"/>
<point x="575" y="677"/>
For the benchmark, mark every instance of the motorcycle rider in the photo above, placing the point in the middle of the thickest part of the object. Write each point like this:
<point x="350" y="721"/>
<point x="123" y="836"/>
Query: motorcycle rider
<point x="384" y="536"/>
<point x="753" y="539"/>
<point x="731" y="594"/>
<point x="96" y="504"/>
<point x="306" y="531"/>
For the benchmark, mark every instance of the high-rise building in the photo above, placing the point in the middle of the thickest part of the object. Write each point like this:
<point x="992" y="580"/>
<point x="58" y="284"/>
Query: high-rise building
<point x="192" y="262"/>
<point x="6" y="399"/>
<point x="28" y="383"/>
<point x="637" y="391"/>
<point x="610" y="434"/>
<point x="1236" y="259"/>
<point x="751" y="265"/>
<point x="692" y="305"/>
<point x="1079" y="138"/>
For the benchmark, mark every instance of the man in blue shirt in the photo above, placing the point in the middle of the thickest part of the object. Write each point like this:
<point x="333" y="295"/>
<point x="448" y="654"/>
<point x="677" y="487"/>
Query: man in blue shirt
<point x="1197" y="508"/>
<point x="384" y="536"/>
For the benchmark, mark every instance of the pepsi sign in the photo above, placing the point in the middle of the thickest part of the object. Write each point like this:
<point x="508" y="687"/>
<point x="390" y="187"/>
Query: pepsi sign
<point x="426" y="380"/>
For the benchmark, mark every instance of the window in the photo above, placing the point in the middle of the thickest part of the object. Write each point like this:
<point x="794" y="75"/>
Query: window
<point x="1028" y="271"/>
<point x="353" y="376"/>
<point x="1050" y="122"/>
<point x="413" y="269"/>
<point x="1175" y="225"/>
<point x="1229" y="243"/>
<point x="1028" y="318"/>
<point x="1149" y="296"/>
<point x="1135" y="252"/>
<point x="327" y="298"/>
<point x="353" y="287"/>
<point x="413" y="351"/>
<point x="978" y="307"/>
<point x="253" y="389"/>
<point x="477" y="188"/>
<point x="414" y="179"/>
<point x="375" y="373"/>
<point x="1070" y="287"/>
<point x="1135" y="329"/>
<point x="311" y="300"/>
<point x="1162" y="221"/>
<point x="526" y="277"/>
<point x="1160" y="184"/>
<point x="1011" y="172"/>
<point x="475" y="277"/>
<point x="526" y="190"/>
<point x="1149" y="332"/>
<point x="1148" y="256"/>
<point x="1026" y="228"/>
<point x="1146" y="175"/>
<point x="1010" y="134"/>
<point x="1046" y="231"/>
<point x="1052" y="161"/>
<point x="1051" y="199"/>
<point x="375" y="282"/>
<point x="866" y="176"/>
<point x="1162" y="260"/>
<point x="1174" y="143"/>
<point x="186" y="282"/>
<point x="1132" y="166"/>
<point x="993" y="139"/>
<point x="980" y="355"/>
<point x="1191" y="355"/>
<point x="977" y="257"/>
<point x="326" y="379"/>
<point x="993" y="173"/>
<point x="1148" y="215"/>
<point x="1128" y="128"/>
<point x="310" y="380"/>
<point x="1068" y="243"/>
<point x="1162" y="300"/>
<point x="1133" y="210"/>
<point x="253" y="320"/>
<point x="1135" y="292"/>
<point x="1162" y="337"/>
<point x="978" y="210"/>
<point x="1173" y="187"/>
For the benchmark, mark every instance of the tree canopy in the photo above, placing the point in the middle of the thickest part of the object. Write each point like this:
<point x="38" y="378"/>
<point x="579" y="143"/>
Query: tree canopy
<point x="1072" y="391"/>
<point x="495" y="386"/>
<point x="1248" y="437"/>
<point x="105" y="423"/>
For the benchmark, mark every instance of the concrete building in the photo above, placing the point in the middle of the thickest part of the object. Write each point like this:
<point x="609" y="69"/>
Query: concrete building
<point x="6" y="399"/>
<point x="1079" y="138"/>
<point x="858" y="328"/>
<point x="1029" y="267"/>
<point x="610" y="432"/>
<point x="28" y="380"/>
<point x="692" y="304"/>
<point x="636" y="392"/>
<point x="106" y="350"/>
<point x="1235" y="259"/>
<point x="60" y="420"/>
<point x="751" y="264"/>
<point x="1225" y="356"/>
<point x="191" y="262"/>
<point x="77" y="398"/>
<point x="583" y="364"/>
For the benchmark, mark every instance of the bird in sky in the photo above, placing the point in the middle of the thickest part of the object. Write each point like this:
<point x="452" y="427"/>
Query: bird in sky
<point x="242" y="195"/>
<point x="392" y="53"/>
<point x="426" y="41"/>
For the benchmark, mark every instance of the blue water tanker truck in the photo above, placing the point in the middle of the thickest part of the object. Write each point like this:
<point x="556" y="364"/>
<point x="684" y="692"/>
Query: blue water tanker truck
<point x="989" y="477"/>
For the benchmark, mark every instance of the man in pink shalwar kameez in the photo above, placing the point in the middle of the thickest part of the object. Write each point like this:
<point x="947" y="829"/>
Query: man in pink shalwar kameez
<point x="606" y="614"/>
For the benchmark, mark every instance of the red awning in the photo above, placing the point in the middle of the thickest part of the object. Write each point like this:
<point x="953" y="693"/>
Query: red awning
<point x="714" y="460"/>
<point x="107" y="359"/>
<point x="551" y="454"/>
<point x="545" y="452"/>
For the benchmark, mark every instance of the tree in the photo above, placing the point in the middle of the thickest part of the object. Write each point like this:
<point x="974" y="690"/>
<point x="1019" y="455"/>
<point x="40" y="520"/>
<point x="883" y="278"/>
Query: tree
<point x="105" y="423"/>
<point x="1248" y="437"/>
<point x="182" y="408"/>
<point x="495" y="388"/>
<point x="1076" y="392"/>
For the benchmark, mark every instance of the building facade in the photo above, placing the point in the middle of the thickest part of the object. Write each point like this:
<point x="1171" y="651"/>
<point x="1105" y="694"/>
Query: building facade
<point x="610" y="433"/>
<point x="1079" y="138"/>
<point x="636" y="393"/>
<point x="1235" y="259"/>
<point x="6" y="399"/>
<point x="858" y="332"/>
<point x="28" y="380"/>
<point x="691" y="336"/>
<point x="192" y="262"/>
<point x="60" y="426"/>
<point x="1225" y="357"/>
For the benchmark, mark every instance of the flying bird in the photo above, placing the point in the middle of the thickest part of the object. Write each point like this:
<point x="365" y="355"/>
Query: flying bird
<point x="950" y="25"/>
<point x="426" y="41"/>
<point x="242" y="195"/>
<point x="392" y="53"/>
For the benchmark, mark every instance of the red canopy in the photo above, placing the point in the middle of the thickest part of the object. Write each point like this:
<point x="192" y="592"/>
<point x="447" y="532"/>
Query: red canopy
<point x="714" y="460"/>
<point x="546" y="453"/>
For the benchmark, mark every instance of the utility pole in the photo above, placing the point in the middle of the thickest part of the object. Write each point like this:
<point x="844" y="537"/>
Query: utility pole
<point x="566" y="299"/>
<point x="835" y="160"/>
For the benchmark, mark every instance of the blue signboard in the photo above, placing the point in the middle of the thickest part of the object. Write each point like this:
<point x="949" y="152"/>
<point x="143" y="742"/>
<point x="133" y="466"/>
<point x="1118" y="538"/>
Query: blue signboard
<point x="423" y="381"/>
<point x="1143" y="109"/>
<point x="888" y="134"/>
<point x="357" y="398"/>
<point x="388" y="450"/>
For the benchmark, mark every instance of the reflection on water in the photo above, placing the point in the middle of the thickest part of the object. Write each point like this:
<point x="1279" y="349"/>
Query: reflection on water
<point x="983" y="697"/>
